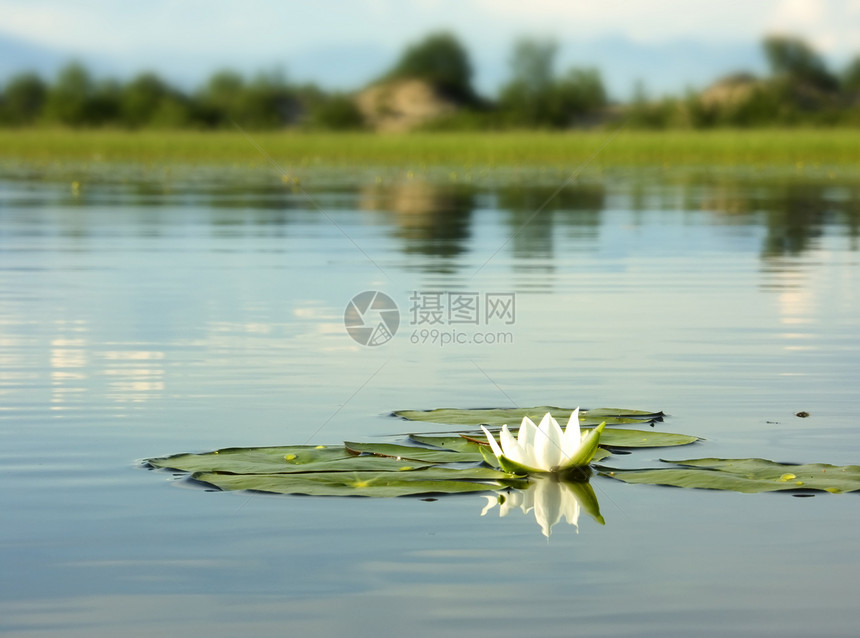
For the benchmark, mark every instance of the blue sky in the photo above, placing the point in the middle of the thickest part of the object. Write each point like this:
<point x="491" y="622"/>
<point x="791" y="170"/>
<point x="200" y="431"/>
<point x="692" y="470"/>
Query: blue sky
<point x="669" y="44"/>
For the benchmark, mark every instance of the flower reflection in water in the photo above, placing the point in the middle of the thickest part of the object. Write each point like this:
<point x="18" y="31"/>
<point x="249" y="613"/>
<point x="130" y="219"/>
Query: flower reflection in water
<point x="552" y="497"/>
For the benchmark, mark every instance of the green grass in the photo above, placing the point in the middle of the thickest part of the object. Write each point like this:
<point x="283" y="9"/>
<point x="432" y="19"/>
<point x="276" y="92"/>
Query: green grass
<point x="755" y="148"/>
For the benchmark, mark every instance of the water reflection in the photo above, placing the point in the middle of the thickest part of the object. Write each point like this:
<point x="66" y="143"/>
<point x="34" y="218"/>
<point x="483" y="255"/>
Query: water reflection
<point x="438" y="219"/>
<point x="430" y="219"/>
<point x="134" y="376"/>
<point x="68" y="364"/>
<point x="534" y="216"/>
<point x="77" y="366"/>
<point x="795" y="212"/>
<point x="443" y="220"/>
<point x="551" y="498"/>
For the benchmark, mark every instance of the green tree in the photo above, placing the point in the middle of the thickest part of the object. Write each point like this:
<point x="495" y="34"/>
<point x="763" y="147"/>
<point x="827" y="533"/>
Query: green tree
<point x="337" y="113"/>
<point x="645" y="112"/>
<point x="23" y="99"/>
<point x="533" y="64"/>
<point x="149" y="101"/>
<point x="69" y="97"/>
<point x="104" y="105"/>
<point x="218" y="102"/>
<point x="793" y="59"/>
<point x="851" y="78"/>
<point x="77" y="100"/>
<point x="442" y="61"/>
<point x="578" y="94"/>
<point x="534" y="96"/>
<point x="267" y="101"/>
<point x="527" y="98"/>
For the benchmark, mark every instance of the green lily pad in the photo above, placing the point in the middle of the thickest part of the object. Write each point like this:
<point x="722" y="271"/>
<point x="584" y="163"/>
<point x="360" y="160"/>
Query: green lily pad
<point x="414" y="453"/>
<point x="514" y="416"/>
<point x="620" y="438"/>
<point x="601" y="413"/>
<point x="256" y="460"/>
<point x="378" y="484"/>
<point x="745" y="475"/>
<point x="353" y="469"/>
<point x="456" y="443"/>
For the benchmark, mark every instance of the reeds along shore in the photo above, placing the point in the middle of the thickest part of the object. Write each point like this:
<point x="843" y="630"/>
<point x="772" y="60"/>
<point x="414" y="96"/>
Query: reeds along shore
<point x="754" y="148"/>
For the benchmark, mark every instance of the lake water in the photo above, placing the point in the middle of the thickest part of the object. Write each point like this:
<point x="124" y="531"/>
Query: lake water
<point x="184" y="315"/>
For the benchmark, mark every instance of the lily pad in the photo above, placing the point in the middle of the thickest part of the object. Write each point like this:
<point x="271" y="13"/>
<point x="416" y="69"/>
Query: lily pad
<point x="379" y="484"/>
<point x="513" y="416"/>
<point x="457" y="443"/>
<point x="414" y="453"/>
<point x="256" y="460"/>
<point x="352" y="469"/>
<point x="745" y="475"/>
<point x="622" y="438"/>
<point x="209" y="463"/>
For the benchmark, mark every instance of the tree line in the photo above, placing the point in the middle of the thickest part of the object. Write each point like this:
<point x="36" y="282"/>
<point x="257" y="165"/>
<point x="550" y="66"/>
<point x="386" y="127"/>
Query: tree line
<point x="800" y="89"/>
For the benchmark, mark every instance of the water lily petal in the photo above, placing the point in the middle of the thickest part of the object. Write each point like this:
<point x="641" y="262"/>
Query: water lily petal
<point x="513" y="450"/>
<point x="526" y="435"/>
<point x="492" y="441"/>
<point x="586" y="451"/>
<point x="548" y="444"/>
<point x="572" y="437"/>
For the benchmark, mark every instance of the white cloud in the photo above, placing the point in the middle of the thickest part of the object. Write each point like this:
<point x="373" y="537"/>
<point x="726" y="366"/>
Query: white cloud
<point x="832" y="27"/>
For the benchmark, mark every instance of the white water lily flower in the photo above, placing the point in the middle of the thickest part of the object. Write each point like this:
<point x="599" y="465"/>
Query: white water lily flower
<point x="545" y="447"/>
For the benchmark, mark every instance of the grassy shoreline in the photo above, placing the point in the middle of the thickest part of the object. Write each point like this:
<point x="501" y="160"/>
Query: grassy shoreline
<point x="753" y="148"/>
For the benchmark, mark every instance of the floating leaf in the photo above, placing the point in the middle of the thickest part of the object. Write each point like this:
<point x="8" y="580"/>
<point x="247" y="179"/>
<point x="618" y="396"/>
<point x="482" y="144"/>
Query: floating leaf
<point x="456" y="443"/>
<point x="608" y="413"/>
<point x="415" y="453"/>
<point x="617" y="437"/>
<point x="745" y="475"/>
<point x="514" y="416"/>
<point x="600" y="453"/>
<point x="379" y="484"/>
<point x="255" y="460"/>
<point x="365" y="469"/>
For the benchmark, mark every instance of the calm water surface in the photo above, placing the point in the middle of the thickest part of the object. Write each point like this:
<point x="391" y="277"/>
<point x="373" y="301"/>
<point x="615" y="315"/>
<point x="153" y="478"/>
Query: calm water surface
<point x="143" y="320"/>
